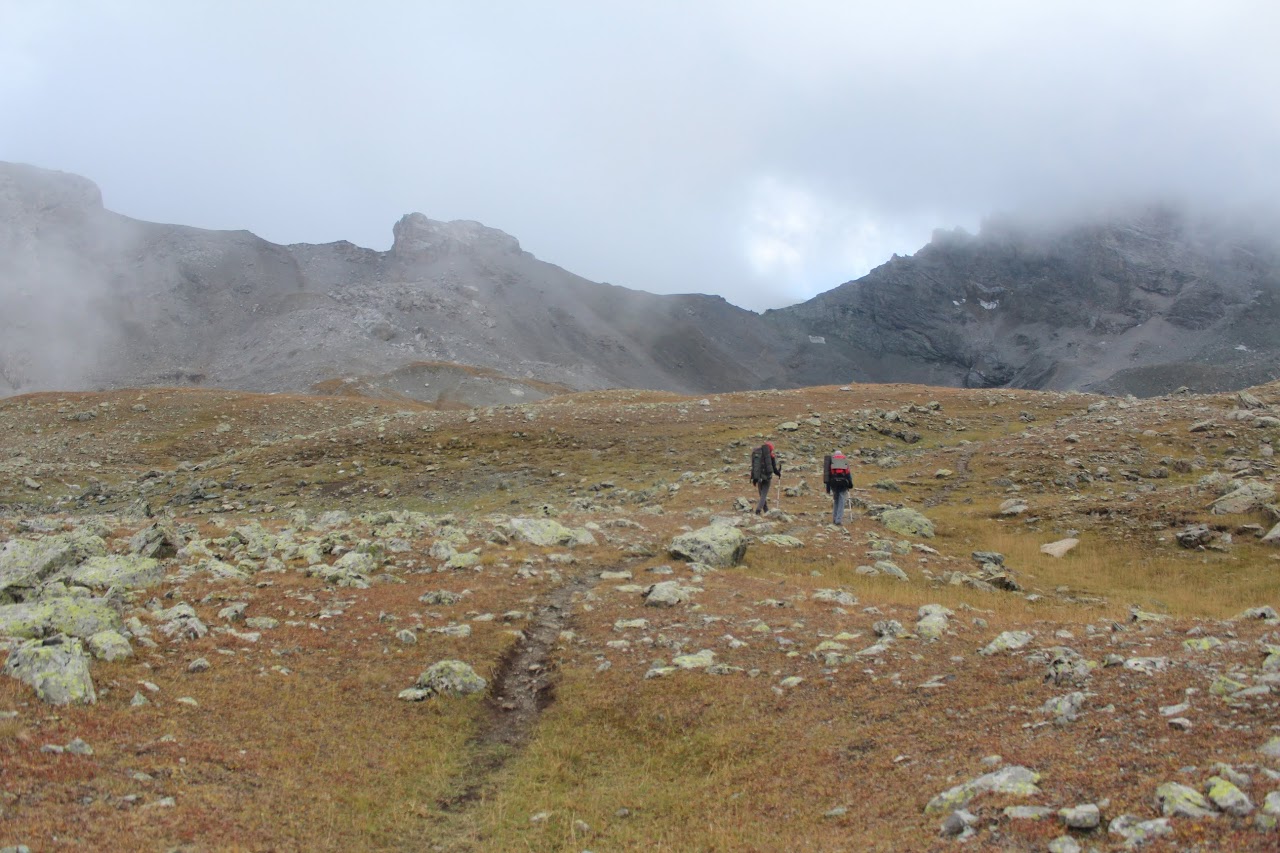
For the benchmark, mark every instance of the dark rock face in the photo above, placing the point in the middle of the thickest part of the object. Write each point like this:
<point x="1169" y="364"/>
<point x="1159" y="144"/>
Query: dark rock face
<point x="1137" y="303"/>
<point x="1124" y="306"/>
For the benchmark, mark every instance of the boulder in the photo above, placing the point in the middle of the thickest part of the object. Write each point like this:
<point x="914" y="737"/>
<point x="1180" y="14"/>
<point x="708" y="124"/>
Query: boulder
<point x="445" y="678"/>
<point x="907" y="522"/>
<point x="1014" y="780"/>
<point x="1226" y="796"/>
<point x="933" y="619"/>
<point x="57" y="668"/>
<point x="110" y="645"/>
<point x="717" y="545"/>
<point x="25" y="563"/>
<point x="1006" y="642"/>
<point x="1059" y="548"/>
<point x="123" y="572"/>
<point x="1081" y="817"/>
<point x="77" y="617"/>
<point x="666" y="594"/>
<point x="1248" y="497"/>
<point x="1137" y="832"/>
<point x="701" y="660"/>
<point x="1177" y="800"/>
<point x="542" y="532"/>
<point x="159" y="541"/>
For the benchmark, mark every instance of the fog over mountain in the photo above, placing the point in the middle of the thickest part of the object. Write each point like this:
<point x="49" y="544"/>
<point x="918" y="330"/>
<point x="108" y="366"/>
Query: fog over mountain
<point x="1136" y="300"/>
<point x="762" y="151"/>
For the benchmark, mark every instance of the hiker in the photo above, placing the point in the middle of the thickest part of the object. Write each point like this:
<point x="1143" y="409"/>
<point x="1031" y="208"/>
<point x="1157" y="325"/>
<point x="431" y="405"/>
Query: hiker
<point x="764" y="464"/>
<point x="838" y="480"/>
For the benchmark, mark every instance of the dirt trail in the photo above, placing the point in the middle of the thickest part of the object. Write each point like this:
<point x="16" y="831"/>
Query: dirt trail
<point x="960" y="479"/>
<point x="523" y="687"/>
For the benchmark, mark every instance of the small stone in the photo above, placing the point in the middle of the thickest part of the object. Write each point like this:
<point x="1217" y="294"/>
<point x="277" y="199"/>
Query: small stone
<point x="1088" y="816"/>
<point x="79" y="747"/>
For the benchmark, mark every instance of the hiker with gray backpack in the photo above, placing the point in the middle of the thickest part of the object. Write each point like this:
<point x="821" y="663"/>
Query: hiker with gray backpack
<point x="838" y="479"/>
<point x="764" y="464"/>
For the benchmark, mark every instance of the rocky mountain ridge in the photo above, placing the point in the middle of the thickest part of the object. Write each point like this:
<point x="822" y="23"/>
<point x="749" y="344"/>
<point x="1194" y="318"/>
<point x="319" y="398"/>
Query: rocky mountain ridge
<point x="1127" y="304"/>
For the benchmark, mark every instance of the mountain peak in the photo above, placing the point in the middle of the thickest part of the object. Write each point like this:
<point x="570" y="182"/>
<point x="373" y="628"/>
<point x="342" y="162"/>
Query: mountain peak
<point x="33" y="190"/>
<point x="417" y="236"/>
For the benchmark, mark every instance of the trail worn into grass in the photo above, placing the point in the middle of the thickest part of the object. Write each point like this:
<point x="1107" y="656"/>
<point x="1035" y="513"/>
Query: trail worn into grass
<point x="523" y="687"/>
<point x="960" y="479"/>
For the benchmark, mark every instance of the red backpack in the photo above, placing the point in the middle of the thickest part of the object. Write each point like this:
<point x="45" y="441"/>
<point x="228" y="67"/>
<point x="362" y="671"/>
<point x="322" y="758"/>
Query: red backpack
<point x="835" y="471"/>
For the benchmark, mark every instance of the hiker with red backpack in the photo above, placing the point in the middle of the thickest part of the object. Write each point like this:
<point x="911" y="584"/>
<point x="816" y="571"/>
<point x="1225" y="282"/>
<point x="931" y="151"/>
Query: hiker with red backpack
<point x="838" y="479"/>
<point x="764" y="464"/>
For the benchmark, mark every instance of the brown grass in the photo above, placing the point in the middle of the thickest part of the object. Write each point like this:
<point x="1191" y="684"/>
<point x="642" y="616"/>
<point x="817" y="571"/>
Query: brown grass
<point x="326" y="757"/>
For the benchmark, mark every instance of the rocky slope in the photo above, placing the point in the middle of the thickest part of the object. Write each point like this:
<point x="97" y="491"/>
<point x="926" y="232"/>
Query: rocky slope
<point x="97" y="299"/>
<point x="1139" y="303"/>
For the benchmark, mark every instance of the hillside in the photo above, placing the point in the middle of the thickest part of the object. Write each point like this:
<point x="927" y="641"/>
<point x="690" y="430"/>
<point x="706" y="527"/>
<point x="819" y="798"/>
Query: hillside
<point x="1141" y="301"/>
<point x="862" y="688"/>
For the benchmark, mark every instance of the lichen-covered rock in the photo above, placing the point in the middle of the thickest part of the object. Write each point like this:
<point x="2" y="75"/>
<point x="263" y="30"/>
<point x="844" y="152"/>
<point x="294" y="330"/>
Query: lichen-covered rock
<point x="24" y="563"/>
<point x="700" y="660"/>
<point x="933" y="619"/>
<point x="1136" y="832"/>
<point x="57" y="668"/>
<point x="1007" y="642"/>
<point x="1227" y="797"/>
<point x="464" y="560"/>
<point x="835" y="596"/>
<point x="718" y="545"/>
<point x="781" y="541"/>
<point x="1177" y="800"/>
<point x="907" y="522"/>
<point x="1014" y="780"/>
<point x="1065" y="709"/>
<point x="440" y="596"/>
<point x="666" y="594"/>
<point x="542" y="532"/>
<point x="180" y="622"/>
<point x="1248" y="497"/>
<point x="159" y="541"/>
<point x="445" y="678"/>
<point x="110" y="645"/>
<point x="1081" y="817"/>
<point x="121" y="571"/>
<point x="76" y="617"/>
<point x="352" y="569"/>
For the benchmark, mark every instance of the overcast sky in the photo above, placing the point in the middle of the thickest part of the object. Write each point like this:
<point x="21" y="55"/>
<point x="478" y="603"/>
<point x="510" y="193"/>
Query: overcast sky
<point x="765" y="151"/>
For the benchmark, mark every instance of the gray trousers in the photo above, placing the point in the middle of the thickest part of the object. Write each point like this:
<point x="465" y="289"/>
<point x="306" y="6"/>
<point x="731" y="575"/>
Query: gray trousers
<point x="840" y="498"/>
<point x="763" y="504"/>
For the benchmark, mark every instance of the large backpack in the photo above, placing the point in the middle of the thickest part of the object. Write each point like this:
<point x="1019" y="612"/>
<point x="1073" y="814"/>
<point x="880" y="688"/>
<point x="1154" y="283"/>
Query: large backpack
<point x="761" y="464"/>
<point x="836" y="473"/>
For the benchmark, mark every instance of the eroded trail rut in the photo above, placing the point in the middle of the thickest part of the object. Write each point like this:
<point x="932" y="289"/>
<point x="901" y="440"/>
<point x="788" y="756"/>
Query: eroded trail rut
<point x="523" y="686"/>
